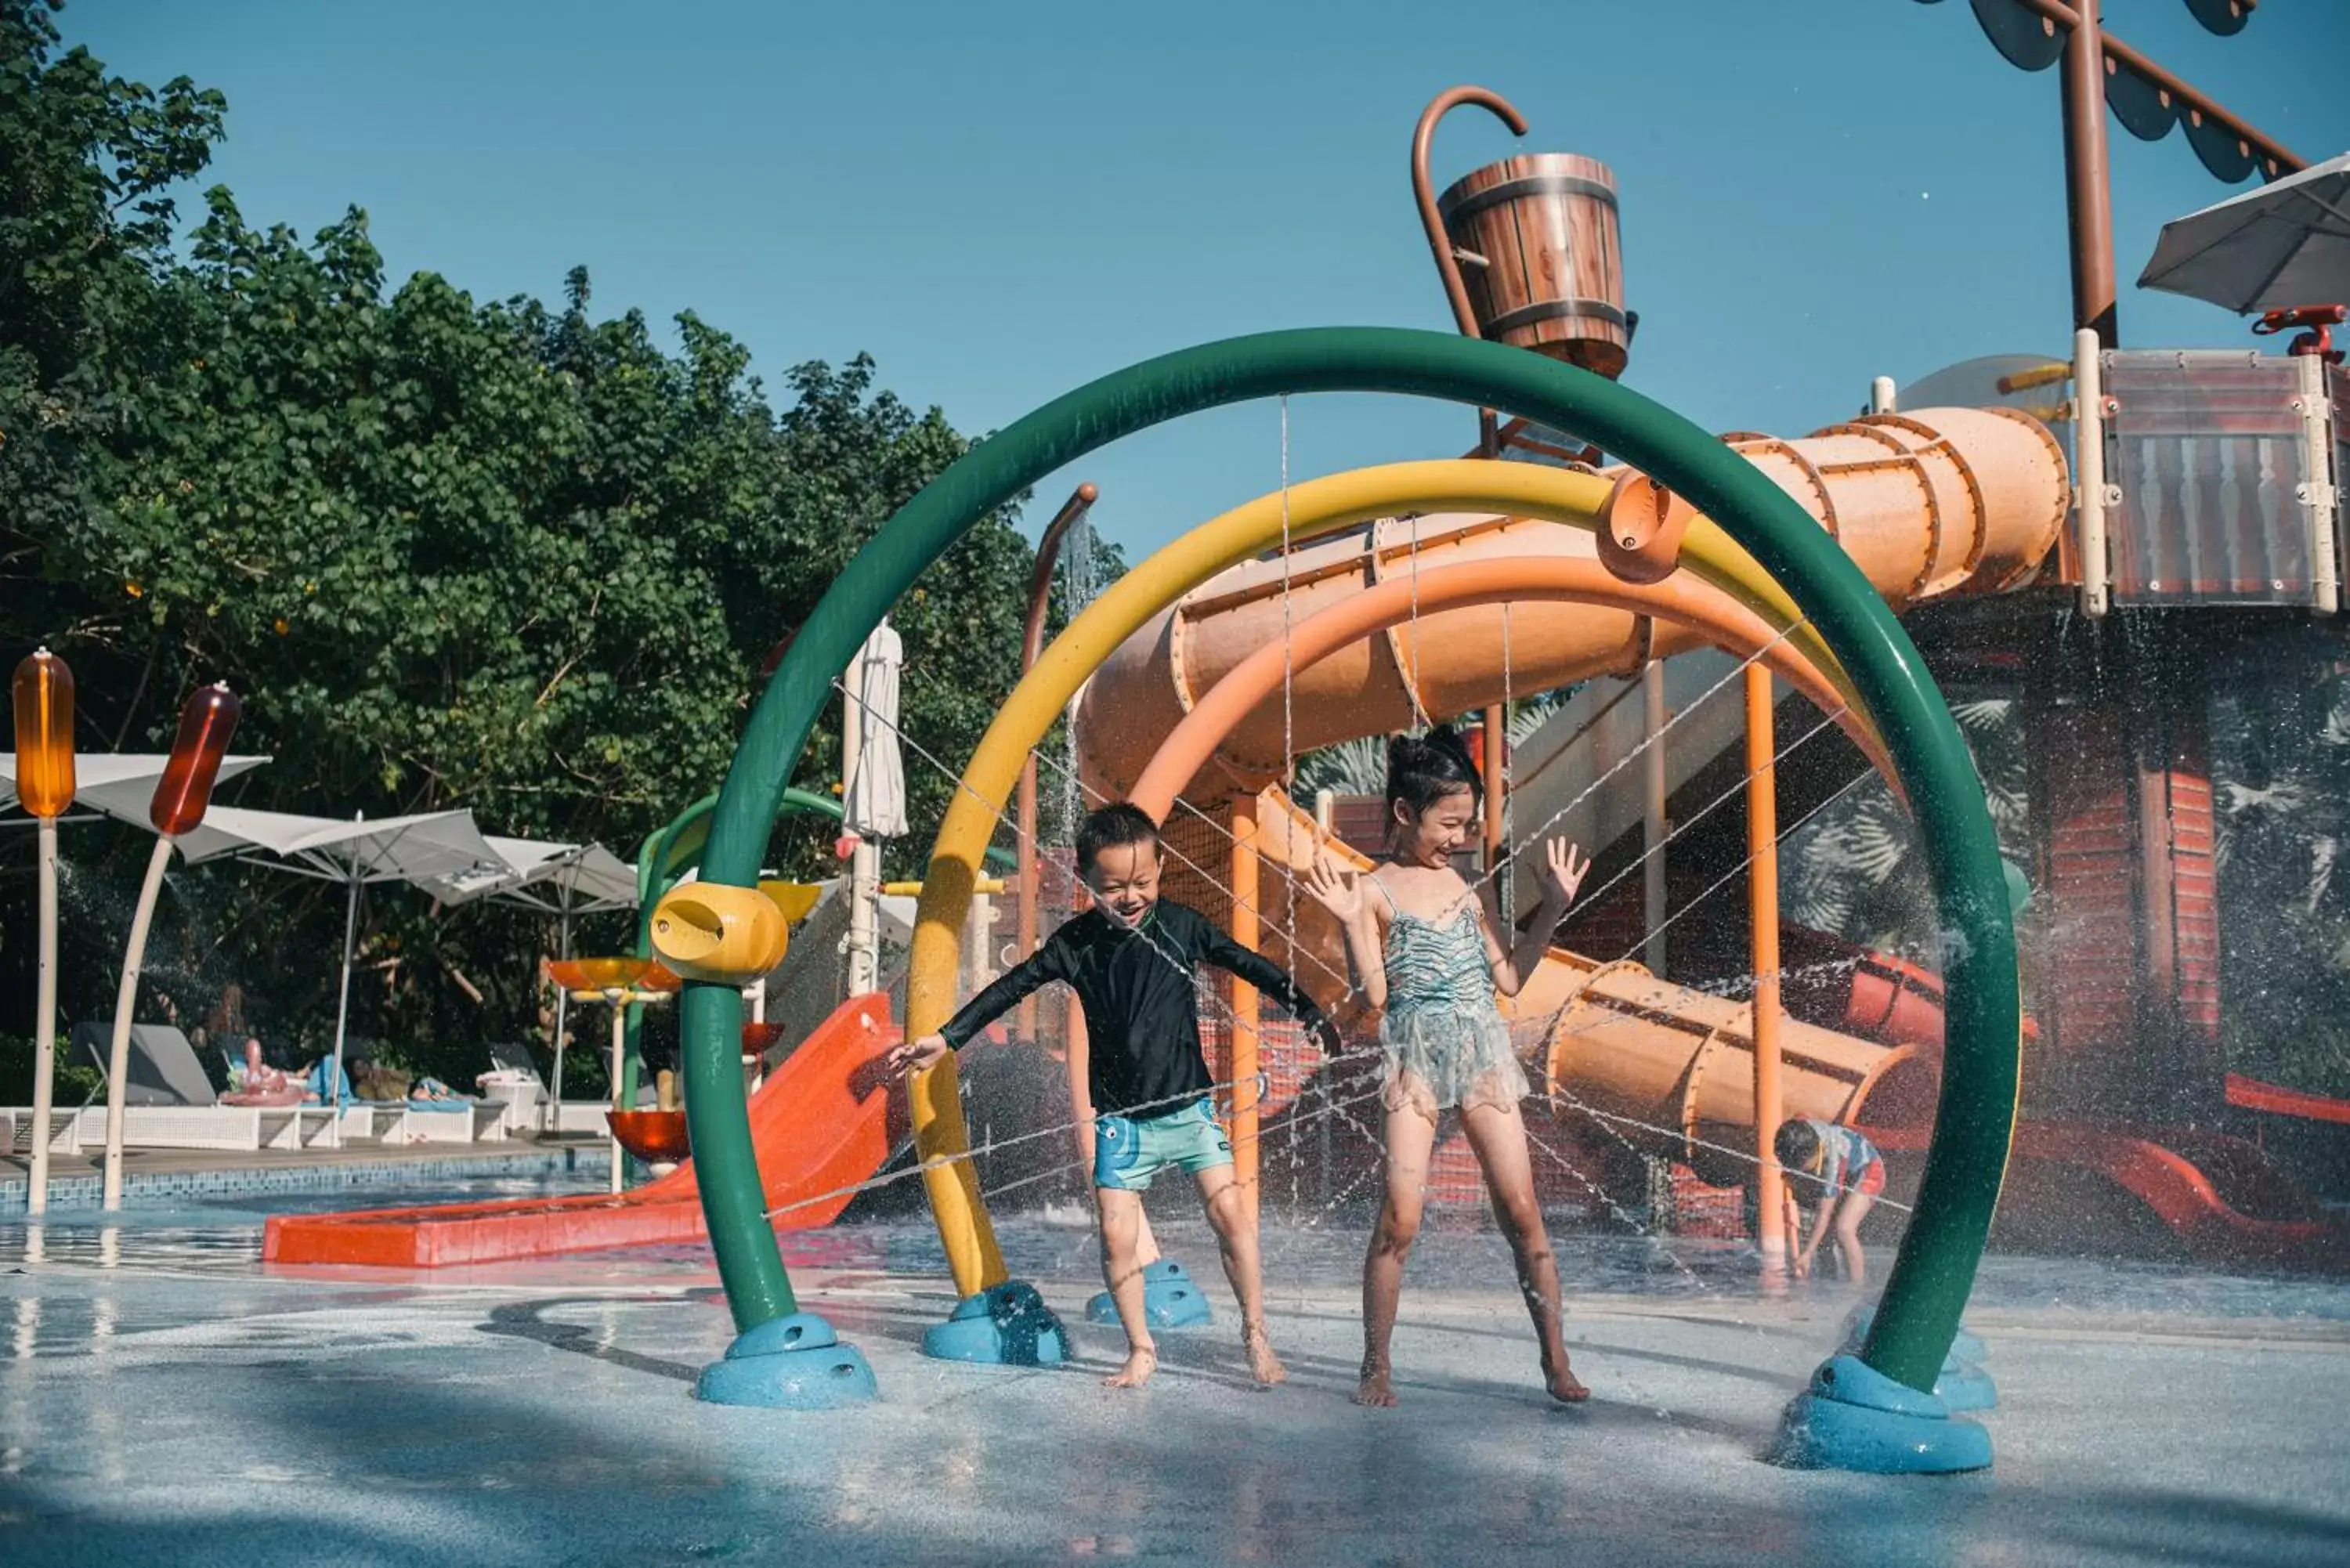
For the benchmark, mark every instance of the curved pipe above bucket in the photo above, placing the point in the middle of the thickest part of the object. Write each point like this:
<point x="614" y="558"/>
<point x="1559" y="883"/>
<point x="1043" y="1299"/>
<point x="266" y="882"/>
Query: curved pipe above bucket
<point x="1440" y="244"/>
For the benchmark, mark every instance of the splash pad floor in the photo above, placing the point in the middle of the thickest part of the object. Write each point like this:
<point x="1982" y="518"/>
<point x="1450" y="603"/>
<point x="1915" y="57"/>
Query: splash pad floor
<point x="163" y="1399"/>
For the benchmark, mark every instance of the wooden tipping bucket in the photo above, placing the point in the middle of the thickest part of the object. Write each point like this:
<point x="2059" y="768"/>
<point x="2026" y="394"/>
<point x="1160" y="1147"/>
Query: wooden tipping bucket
<point x="1537" y="242"/>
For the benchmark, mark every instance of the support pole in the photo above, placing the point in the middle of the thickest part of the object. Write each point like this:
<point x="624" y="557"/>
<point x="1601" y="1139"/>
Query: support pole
<point x="864" y="861"/>
<point x="1031" y="644"/>
<point x="619" y="1001"/>
<point x="1326" y="812"/>
<point x="562" y="1018"/>
<point x="1245" y="1003"/>
<point x="118" y="1059"/>
<point x="331" y="1095"/>
<point x="864" y="887"/>
<point x="1653" y="826"/>
<point x="44" y="1024"/>
<point x="2088" y="195"/>
<point x="2089" y="472"/>
<point x="1763" y="892"/>
<point x="1496" y="737"/>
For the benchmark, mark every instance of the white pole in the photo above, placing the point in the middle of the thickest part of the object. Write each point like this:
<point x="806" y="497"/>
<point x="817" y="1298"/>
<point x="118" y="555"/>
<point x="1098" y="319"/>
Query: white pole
<point x="332" y="1096"/>
<point x="557" y="1090"/>
<point x="562" y="1009"/>
<point x="1880" y="396"/>
<point x="2321" y="498"/>
<point x="2089" y="470"/>
<point x="619" y="1001"/>
<point x="44" y="1025"/>
<point x="118" y="1061"/>
<point x="864" y="887"/>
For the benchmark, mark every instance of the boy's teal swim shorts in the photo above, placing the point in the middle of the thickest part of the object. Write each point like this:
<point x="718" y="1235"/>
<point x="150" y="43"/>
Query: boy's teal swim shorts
<point x="1131" y="1150"/>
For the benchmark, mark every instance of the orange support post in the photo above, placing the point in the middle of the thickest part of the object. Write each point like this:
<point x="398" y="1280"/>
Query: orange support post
<point x="1497" y="729"/>
<point x="1245" y="931"/>
<point x="1763" y="886"/>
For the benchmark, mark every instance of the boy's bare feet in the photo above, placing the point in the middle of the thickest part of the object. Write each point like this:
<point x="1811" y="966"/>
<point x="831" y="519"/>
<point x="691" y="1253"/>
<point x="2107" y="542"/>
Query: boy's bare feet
<point x="1375" y="1390"/>
<point x="1564" y="1385"/>
<point x="1263" y="1365"/>
<point x="1141" y="1363"/>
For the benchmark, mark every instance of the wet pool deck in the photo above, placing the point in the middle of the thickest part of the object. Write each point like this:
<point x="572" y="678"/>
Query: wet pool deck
<point x="162" y="1399"/>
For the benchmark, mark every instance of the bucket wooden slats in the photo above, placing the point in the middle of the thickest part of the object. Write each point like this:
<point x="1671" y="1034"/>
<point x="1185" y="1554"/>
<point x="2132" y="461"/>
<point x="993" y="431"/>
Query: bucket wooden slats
<point x="1544" y="265"/>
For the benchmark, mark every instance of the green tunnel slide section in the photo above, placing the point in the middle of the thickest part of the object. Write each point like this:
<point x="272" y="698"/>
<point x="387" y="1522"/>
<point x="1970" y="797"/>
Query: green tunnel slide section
<point x="1934" y="1270"/>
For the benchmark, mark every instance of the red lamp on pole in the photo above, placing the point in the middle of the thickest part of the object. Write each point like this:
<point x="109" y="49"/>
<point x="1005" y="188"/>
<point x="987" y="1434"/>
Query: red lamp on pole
<point x="182" y="796"/>
<point x="42" y="693"/>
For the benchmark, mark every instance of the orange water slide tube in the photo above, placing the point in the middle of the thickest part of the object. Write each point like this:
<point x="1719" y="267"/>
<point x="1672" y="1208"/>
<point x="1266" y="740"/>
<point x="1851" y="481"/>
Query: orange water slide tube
<point x="1942" y="502"/>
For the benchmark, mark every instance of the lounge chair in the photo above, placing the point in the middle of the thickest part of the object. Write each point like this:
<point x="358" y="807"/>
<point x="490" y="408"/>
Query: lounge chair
<point x="169" y="1103"/>
<point x="513" y="1078"/>
<point x="16" y="1131"/>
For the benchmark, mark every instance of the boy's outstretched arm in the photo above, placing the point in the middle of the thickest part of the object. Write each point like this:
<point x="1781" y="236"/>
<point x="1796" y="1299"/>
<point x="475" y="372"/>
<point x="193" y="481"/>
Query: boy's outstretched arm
<point x="1270" y="980"/>
<point x="1047" y="964"/>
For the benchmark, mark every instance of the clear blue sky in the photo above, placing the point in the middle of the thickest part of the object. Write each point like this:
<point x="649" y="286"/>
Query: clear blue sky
<point x="1001" y="201"/>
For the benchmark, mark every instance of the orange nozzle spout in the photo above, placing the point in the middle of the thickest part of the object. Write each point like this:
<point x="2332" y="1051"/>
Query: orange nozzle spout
<point x="1640" y="529"/>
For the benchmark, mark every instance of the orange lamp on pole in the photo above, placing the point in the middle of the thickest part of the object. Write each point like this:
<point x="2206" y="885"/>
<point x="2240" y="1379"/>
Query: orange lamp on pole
<point x="44" y="700"/>
<point x="185" y="790"/>
<point x="44" y="692"/>
<point x="182" y="796"/>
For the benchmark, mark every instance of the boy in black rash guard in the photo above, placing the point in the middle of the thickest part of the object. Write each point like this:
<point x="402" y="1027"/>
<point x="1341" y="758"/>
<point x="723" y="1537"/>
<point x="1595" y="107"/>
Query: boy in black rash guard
<point x="1131" y="959"/>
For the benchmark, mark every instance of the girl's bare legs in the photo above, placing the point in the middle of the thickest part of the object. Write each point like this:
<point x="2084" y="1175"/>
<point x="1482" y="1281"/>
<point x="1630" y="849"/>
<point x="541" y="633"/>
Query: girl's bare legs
<point x="1848" y="1216"/>
<point x="1409" y="1138"/>
<point x="1498" y="1135"/>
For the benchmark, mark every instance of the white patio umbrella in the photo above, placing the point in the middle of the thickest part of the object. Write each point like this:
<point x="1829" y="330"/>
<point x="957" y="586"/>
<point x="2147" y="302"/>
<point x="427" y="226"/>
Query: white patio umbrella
<point x="421" y="849"/>
<point x="563" y="879"/>
<point x="2286" y="244"/>
<point x="112" y="780"/>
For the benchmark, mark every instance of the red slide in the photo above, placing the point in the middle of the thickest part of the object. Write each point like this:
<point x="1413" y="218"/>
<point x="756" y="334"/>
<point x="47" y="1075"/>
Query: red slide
<point x="824" y="1121"/>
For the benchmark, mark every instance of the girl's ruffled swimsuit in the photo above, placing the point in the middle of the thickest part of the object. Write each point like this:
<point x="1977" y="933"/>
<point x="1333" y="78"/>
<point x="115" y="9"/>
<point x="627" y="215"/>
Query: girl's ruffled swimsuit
<point x="1445" y="1041"/>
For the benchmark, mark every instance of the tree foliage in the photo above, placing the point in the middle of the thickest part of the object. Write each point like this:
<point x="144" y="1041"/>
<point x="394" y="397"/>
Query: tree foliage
<point x="501" y="555"/>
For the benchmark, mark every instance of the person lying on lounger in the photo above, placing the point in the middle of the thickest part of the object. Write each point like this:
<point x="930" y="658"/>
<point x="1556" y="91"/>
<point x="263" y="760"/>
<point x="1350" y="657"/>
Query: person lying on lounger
<point x="262" y="1084"/>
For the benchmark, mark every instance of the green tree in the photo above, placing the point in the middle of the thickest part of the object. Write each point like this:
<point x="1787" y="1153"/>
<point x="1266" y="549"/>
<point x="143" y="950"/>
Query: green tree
<point x="504" y="555"/>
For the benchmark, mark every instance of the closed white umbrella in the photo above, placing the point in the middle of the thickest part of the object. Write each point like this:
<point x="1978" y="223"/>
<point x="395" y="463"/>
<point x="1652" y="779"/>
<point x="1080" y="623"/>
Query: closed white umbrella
<point x="874" y="797"/>
<point x="2286" y="244"/>
<point x="873" y="787"/>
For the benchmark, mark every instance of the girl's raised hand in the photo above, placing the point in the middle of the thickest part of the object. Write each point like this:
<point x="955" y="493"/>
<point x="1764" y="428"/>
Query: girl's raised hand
<point x="1566" y="866"/>
<point x="1335" y="890"/>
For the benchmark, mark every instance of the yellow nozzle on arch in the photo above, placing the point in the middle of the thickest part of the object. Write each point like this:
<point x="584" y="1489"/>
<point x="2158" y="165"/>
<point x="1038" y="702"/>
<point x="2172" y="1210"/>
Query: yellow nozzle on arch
<point x="707" y="931"/>
<point x="793" y="898"/>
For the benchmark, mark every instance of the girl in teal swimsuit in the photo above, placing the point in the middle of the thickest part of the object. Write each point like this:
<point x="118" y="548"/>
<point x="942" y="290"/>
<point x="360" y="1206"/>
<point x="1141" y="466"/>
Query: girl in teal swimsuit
<point x="1423" y="948"/>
